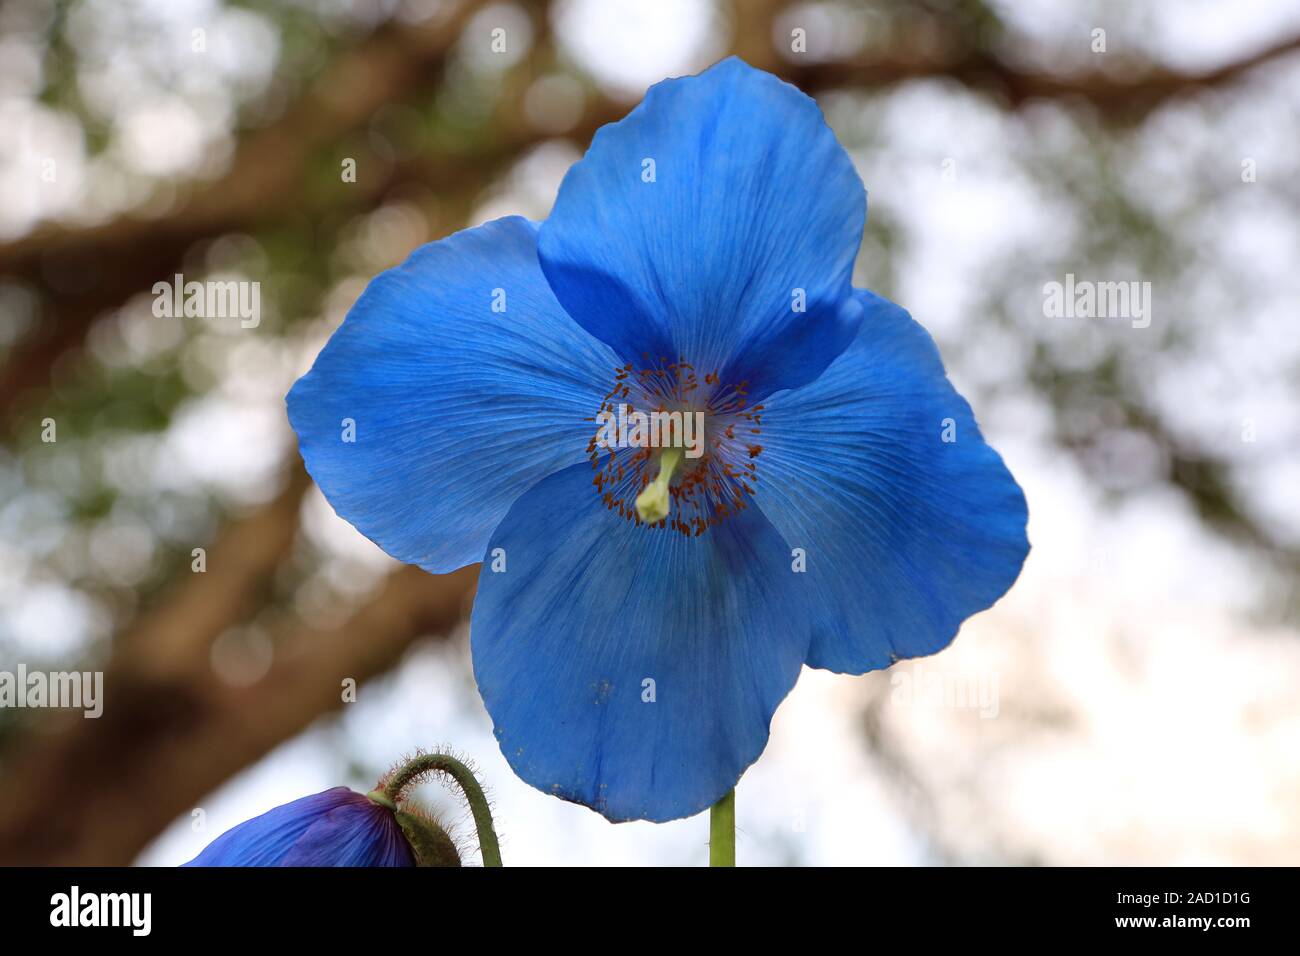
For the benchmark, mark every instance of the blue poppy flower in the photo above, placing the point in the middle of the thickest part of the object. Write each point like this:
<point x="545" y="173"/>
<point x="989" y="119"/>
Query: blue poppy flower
<point x="641" y="613"/>
<point x="337" y="827"/>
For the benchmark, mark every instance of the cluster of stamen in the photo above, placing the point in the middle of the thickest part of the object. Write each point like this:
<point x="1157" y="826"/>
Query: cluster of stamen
<point x="702" y="491"/>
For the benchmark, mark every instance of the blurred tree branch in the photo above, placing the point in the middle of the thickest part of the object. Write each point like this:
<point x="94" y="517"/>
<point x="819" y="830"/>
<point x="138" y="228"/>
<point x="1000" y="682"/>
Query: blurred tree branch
<point x="95" y="792"/>
<point x="174" y="637"/>
<point x="1119" y="98"/>
<point x="127" y="255"/>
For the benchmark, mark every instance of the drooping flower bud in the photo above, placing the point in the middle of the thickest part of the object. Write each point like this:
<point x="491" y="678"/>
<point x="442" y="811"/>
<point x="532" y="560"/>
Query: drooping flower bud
<point x="340" y="827"/>
<point x="337" y="827"/>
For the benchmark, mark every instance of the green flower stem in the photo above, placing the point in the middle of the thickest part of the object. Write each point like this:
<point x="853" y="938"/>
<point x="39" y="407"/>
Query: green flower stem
<point x="444" y="763"/>
<point x="722" y="831"/>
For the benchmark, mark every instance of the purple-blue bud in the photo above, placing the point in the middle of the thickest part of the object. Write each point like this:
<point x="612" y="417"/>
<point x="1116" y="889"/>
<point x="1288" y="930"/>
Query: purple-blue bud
<point x="337" y="827"/>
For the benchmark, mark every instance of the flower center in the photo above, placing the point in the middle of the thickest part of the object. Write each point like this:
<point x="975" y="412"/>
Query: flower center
<point x="700" y="434"/>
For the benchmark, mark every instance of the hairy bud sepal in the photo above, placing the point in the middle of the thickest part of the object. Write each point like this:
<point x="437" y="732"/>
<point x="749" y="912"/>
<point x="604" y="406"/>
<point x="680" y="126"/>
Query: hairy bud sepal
<point x="432" y="845"/>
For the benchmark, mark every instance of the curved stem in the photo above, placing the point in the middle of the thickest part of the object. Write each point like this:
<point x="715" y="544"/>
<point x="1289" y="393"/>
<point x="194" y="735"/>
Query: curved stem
<point x="722" y="831"/>
<point x="422" y="764"/>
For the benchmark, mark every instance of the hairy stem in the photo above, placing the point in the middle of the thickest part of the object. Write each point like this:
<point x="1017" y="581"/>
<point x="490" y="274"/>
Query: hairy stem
<point x="423" y="764"/>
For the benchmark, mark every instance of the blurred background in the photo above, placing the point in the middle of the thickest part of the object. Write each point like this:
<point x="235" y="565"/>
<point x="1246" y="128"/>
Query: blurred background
<point x="1134" y="700"/>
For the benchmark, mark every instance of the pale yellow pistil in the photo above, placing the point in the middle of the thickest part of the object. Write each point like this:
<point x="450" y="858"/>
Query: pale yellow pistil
<point x="653" y="504"/>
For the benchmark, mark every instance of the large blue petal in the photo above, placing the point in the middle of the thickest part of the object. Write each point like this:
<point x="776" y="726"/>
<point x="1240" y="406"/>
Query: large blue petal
<point x="906" y="535"/>
<point x="752" y="198"/>
<point x="457" y="408"/>
<point x="337" y="827"/>
<point x="590" y="607"/>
